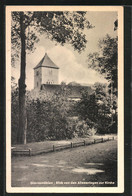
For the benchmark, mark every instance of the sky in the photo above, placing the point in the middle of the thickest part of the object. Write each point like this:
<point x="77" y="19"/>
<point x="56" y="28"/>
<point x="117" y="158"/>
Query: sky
<point x="73" y="65"/>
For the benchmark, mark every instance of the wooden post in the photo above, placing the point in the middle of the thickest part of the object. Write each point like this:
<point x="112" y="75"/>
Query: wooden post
<point x="113" y="138"/>
<point x="84" y="143"/>
<point x="102" y="139"/>
<point x="29" y="151"/>
<point x="94" y="141"/>
<point x="71" y="145"/>
<point x="108" y="138"/>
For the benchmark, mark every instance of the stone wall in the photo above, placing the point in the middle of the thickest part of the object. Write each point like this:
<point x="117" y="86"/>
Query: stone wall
<point x="38" y="78"/>
<point x="49" y="75"/>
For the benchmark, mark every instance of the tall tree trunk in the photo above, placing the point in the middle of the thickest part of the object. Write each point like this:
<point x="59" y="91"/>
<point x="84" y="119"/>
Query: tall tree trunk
<point x="21" y="135"/>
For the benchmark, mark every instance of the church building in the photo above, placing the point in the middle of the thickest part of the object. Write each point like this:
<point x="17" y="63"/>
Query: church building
<point x="46" y="72"/>
<point x="46" y="81"/>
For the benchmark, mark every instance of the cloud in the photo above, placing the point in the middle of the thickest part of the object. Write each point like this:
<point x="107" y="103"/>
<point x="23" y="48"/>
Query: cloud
<point x="70" y="69"/>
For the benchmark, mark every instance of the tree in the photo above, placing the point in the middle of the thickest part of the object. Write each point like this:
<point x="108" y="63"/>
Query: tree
<point x="105" y="62"/>
<point x="87" y="107"/>
<point x="60" y="100"/>
<point x="63" y="27"/>
<point x="95" y="110"/>
<point x="115" y="25"/>
<point x="47" y="119"/>
<point x="13" y="83"/>
<point x="14" y="114"/>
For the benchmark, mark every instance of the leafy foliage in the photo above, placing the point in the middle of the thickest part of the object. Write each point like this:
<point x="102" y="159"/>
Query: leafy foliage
<point x="14" y="115"/>
<point x="84" y="129"/>
<point x="105" y="62"/>
<point x="115" y="25"/>
<point x="95" y="110"/>
<point x="46" y="120"/>
<point x="63" y="27"/>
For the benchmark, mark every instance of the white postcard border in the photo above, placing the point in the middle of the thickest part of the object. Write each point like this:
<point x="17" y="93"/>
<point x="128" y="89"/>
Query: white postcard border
<point x="120" y="187"/>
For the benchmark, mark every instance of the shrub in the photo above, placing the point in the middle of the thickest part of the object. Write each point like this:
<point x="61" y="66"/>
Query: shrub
<point x="14" y="115"/>
<point x="45" y="120"/>
<point x="84" y="130"/>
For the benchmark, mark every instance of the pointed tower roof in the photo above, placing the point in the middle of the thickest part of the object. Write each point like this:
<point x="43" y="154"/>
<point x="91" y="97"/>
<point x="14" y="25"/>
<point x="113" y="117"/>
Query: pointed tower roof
<point x="46" y="62"/>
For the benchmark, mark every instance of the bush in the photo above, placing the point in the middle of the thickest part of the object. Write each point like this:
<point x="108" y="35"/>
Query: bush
<point x="14" y="115"/>
<point x="45" y="120"/>
<point x="80" y="128"/>
<point x="84" y="130"/>
<point x="97" y="111"/>
<point x="50" y="120"/>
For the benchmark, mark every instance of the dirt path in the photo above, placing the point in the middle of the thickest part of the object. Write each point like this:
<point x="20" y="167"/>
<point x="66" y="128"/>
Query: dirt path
<point x="94" y="165"/>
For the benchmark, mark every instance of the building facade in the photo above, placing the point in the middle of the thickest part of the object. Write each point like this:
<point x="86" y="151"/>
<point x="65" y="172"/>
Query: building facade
<point x="46" y="72"/>
<point x="46" y="82"/>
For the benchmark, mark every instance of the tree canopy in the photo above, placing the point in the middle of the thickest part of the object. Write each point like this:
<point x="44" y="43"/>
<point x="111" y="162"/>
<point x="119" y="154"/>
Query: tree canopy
<point x="96" y="111"/>
<point x="105" y="61"/>
<point x="63" y="27"/>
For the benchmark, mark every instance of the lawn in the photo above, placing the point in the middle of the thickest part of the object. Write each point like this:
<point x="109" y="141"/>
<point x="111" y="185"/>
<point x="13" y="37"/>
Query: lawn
<point x="48" y="144"/>
<point x="73" y="167"/>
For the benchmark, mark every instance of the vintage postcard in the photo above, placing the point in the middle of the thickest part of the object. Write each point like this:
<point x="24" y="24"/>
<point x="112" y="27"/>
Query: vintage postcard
<point x="64" y="99"/>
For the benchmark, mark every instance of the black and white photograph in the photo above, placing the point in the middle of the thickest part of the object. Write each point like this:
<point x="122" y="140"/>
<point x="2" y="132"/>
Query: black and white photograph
<point x="64" y="103"/>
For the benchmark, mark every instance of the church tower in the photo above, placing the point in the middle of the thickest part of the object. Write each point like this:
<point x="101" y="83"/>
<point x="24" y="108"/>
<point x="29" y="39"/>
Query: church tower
<point x="46" y="72"/>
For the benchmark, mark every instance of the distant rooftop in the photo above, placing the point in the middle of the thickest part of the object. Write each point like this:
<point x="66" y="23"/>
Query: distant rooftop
<point x="46" y="62"/>
<point x="74" y="91"/>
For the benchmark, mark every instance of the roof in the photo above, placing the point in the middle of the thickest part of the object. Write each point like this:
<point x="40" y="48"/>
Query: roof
<point x="73" y="91"/>
<point x="46" y="62"/>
